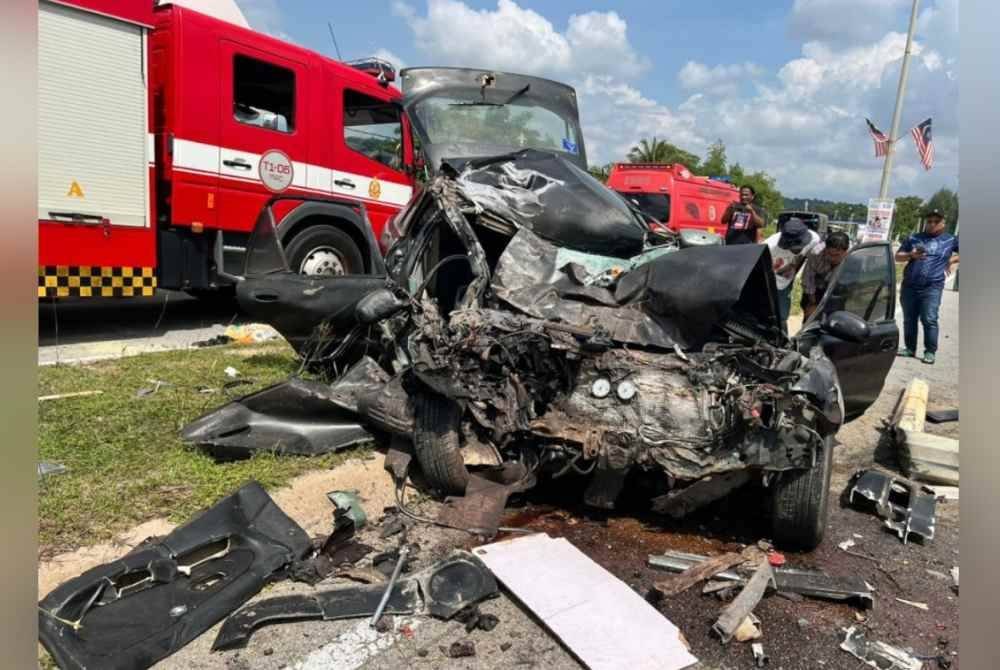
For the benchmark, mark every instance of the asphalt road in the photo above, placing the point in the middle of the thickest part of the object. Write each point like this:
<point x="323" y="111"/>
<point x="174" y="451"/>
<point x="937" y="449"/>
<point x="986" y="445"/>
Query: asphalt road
<point x="84" y="330"/>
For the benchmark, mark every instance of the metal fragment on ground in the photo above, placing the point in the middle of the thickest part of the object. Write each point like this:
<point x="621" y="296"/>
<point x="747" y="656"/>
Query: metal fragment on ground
<point x="569" y="592"/>
<point x="732" y="617"/>
<point x="698" y="572"/>
<point x="904" y="507"/>
<point x="788" y="580"/>
<point x="760" y="659"/>
<point x="877" y="654"/>
<point x="911" y="603"/>
<point x="47" y="468"/>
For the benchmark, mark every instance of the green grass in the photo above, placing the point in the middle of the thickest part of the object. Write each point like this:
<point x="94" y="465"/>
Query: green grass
<point x="126" y="461"/>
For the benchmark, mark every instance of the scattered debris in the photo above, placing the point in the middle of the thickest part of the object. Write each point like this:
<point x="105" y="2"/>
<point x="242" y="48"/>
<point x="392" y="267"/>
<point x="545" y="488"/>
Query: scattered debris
<point x="942" y="492"/>
<point x="954" y="577"/>
<point x="877" y="654"/>
<point x="942" y="415"/>
<point x="776" y="559"/>
<point x="732" y="617"/>
<point x="363" y="575"/>
<point x="147" y="391"/>
<point x="846" y="544"/>
<point x="749" y="629"/>
<point x="931" y="458"/>
<point x="905" y="508"/>
<point x="404" y="550"/>
<point x="74" y="394"/>
<point x="504" y="646"/>
<point x="678" y="503"/>
<point x="569" y="592"/>
<point x="250" y="333"/>
<point x="440" y="590"/>
<point x="935" y="573"/>
<point x="132" y="607"/>
<point x="803" y="623"/>
<point x="787" y="580"/>
<point x="231" y="372"/>
<point x="462" y="649"/>
<point x="696" y="573"/>
<point x="919" y="606"/>
<point x="760" y="659"/>
<point x="216" y="341"/>
<point x="48" y="468"/>
<point x="474" y="619"/>
<point x="347" y="503"/>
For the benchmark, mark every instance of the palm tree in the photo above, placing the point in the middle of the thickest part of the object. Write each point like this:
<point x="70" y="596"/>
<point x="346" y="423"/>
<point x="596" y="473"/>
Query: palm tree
<point x="659" y="151"/>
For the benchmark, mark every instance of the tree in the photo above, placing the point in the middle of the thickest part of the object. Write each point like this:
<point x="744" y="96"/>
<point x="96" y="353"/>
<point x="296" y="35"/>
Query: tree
<point x="945" y="200"/>
<point x="659" y="151"/>
<point x="715" y="162"/>
<point x="906" y="216"/>
<point x="600" y="172"/>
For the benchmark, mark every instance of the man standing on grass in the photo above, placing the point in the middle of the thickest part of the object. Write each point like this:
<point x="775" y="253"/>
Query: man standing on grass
<point x="929" y="257"/>
<point x="788" y="253"/>
<point x="743" y="219"/>
<point x="824" y="258"/>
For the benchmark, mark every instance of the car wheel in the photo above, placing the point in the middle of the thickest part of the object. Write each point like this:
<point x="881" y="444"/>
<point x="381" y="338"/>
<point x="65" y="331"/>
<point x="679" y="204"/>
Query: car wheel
<point x="436" y="441"/>
<point x="801" y="499"/>
<point x="324" y="251"/>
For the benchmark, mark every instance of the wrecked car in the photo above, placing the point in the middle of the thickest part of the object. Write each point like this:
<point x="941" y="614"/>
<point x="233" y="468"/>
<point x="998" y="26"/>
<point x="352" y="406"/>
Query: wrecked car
<point x="526" y="313"/>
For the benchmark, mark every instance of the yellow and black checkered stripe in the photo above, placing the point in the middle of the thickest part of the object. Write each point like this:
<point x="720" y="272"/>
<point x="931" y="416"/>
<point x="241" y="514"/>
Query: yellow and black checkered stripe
<point x="94" y="281"/>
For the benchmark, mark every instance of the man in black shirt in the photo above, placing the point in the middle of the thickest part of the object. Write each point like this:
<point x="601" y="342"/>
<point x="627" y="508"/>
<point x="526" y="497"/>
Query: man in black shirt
<point x="743" y="219"/>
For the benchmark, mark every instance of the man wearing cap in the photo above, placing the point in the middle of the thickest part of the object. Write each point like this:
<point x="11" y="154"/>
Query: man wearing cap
<point x="788" y="252"/>
<point x="930" y="256"/>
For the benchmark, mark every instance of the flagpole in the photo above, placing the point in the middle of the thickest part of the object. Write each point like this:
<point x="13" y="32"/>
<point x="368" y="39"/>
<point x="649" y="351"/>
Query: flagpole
<point x="894" y="131"/>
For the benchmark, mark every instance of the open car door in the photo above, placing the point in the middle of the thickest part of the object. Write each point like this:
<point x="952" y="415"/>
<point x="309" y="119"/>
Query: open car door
<point x="855" y="324"/>
<point x="314" y="313"/>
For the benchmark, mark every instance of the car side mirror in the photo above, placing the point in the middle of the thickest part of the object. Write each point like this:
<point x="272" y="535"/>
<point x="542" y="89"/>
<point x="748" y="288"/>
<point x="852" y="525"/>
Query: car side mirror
<point x="846" y="326"/>
<point x="378" y="305"/>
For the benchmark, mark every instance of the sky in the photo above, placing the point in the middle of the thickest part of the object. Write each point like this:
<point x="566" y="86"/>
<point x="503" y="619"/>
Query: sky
<point x="786" y="85"/>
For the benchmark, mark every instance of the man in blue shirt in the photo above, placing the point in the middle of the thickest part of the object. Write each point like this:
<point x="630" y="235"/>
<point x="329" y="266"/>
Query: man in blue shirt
<point x="929" y="257"/>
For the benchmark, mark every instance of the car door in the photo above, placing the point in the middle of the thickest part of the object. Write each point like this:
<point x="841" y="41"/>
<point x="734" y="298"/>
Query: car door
<point x="863" y="285"/>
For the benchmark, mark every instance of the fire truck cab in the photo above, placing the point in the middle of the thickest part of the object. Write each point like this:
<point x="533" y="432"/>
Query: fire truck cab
<point x="672" y="196"/>
<point x="164" y="131"/>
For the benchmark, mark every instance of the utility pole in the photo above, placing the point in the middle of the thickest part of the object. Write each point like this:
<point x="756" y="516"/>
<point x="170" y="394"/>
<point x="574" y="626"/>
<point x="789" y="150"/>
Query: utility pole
<point x="894" y="132"/>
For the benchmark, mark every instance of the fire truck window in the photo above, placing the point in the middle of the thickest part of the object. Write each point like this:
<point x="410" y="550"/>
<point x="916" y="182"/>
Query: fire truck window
<point x="656" y="205"/>
<point x="373" y="127"/>
<point x="263" y="94"/>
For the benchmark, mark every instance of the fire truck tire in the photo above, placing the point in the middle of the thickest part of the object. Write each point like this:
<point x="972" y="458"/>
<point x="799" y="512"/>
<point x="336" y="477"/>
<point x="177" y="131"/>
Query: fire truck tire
<point x="324" y="250"/>
<point x="437" y="443"/>
<point x="801" y="502"/>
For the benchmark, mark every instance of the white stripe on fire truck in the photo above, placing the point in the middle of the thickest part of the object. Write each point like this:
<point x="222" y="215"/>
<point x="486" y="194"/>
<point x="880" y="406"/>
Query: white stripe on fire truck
<point x="202" y="158"/>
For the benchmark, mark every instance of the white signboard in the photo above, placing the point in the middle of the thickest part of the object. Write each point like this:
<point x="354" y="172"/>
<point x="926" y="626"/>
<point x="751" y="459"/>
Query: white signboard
<point x="879" y="223"/>
<point x="275" y="170"/>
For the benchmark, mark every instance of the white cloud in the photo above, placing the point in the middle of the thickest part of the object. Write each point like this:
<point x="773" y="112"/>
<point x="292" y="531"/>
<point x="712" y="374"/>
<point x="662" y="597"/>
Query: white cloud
<point x="264" y="16"/>
<point x="522" y="40"/>
<point x="719" y="80"/>
<point x="845" y="22"/>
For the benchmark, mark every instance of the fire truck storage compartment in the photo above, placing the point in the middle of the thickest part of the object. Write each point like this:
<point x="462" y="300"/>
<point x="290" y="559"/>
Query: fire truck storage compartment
<point x="92" y="139"/>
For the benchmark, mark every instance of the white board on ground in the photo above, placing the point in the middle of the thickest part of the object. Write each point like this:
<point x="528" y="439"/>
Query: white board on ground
<point x="602" y="621"/>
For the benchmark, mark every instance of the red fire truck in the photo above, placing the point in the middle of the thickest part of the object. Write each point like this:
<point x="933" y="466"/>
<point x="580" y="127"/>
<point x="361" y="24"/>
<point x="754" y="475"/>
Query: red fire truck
<point x="670" y="194"/>
<point x="163" y="132"/>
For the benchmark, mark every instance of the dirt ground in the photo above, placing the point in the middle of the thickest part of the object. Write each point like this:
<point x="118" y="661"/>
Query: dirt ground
<point x="802" y="634"/>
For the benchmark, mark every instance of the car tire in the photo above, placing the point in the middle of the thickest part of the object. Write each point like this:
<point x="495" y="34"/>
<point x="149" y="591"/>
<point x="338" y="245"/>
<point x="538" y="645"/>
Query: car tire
<point x="328" y="250"/>
<point x="801" y="501"/>
<point x="437" y="443"/>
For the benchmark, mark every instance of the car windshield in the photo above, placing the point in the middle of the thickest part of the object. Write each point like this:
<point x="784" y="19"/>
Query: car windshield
<point x="655" y="205"/>
<point x="520" y="124"/>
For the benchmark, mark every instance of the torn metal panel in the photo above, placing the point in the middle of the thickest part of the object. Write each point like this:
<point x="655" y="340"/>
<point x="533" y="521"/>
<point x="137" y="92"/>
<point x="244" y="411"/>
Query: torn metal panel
<point x="151" y="602"/>
<point x="599" y="618"/>
<point x="441" y="590"/>
<point x="877" y="654"/>
<point x="905" y="508"/>
<point x="294" y="417"/>
<point x="732" y="617"/>
<point x="790" y="580"/>
<point x="681" y="502"/>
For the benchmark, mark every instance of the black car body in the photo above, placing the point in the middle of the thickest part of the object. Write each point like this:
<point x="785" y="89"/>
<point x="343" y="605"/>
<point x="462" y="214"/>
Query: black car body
<point x="524" y="314"/>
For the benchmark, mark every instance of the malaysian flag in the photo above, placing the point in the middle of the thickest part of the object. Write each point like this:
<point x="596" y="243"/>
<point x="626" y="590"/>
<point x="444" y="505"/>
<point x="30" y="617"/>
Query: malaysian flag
<point x="922" y="138"/>
<point x="881" y="141"/>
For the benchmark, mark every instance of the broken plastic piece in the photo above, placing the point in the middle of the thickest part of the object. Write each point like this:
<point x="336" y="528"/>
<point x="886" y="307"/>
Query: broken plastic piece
<point x="877" y="654"/>
<point x="442" y="590"/>
<point x="143" y="607"/>
<point x="788" y="580"/>
<point x="46" y="468"/>
<point x="905" y="508"/>
<point x="349" y="504"/>
<point x="760" y="659"/>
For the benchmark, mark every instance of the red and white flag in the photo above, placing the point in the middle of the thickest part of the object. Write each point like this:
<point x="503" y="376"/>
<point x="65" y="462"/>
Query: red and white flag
<point x="922" y="138"/>
<point x="881" y="141"/>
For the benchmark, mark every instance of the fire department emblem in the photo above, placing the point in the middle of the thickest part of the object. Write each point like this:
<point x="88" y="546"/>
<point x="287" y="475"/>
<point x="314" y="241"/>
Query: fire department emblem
<point x="375" y="189"/>
<point x="711" y="212"/>
<point x="276" y="170"/>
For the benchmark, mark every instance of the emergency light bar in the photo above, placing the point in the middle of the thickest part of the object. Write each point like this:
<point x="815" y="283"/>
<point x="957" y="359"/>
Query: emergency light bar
<point x="676" y="168"/>
<point x="376" y="67"/>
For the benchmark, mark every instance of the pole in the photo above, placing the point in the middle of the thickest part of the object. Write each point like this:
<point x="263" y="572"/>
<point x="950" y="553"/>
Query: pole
<point x="894" y="132"/>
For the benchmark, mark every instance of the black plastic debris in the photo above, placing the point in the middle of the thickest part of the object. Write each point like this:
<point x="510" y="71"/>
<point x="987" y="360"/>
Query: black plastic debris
<point x="145" y="606"/>
<point x="441" y="590"/>
<point x="216" y="341"/>
<point x="942" y="415"/>
<point x="461" y="649"/>
<point x="905" y="507"/>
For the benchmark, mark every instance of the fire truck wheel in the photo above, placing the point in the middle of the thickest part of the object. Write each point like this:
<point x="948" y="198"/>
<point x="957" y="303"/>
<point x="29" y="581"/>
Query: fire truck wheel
<point x="324" y="251"/>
